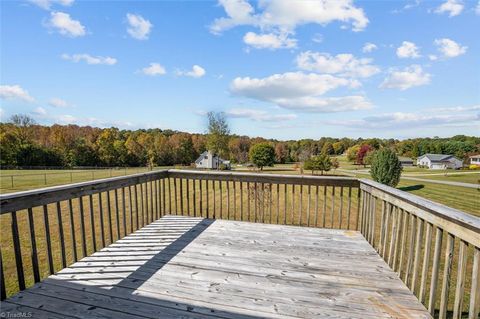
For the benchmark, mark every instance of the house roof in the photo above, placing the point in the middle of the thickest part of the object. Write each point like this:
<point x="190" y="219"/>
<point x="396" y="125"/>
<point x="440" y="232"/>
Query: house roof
<point x="475" y="156"/>
<point x="437" y="157"/>
<point x="405" y="159"/>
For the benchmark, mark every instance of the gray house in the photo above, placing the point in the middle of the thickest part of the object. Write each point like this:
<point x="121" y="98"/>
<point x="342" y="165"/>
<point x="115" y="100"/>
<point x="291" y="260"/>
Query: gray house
<point x="439" y="161"/>
<point x="405" y="161"/>
<point x="211" y="161"/>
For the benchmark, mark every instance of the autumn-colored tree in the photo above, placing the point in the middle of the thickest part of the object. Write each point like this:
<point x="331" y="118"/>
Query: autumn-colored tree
<point x="281" y="152"/>
<point x="362" y="152"/>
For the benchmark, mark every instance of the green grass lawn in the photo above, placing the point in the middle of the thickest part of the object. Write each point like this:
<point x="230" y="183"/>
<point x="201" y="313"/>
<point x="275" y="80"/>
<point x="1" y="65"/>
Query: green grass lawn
<point x="463" y="178"/>
<point x="19" y="180"/>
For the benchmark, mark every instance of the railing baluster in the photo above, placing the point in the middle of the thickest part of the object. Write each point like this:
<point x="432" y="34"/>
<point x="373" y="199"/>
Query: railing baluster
<point x="393" y="238"/>
<point x="382" y="229"/>
<point x="61" y="236"/>
<point x="308" y="205"/>
<point x="324" y="211"/>
<point x="117" y="214"/>
<point x="207" y="195"/>
<point x="182" y="211"/>
<point x="373" y="215"/>
<point x="109" y="210"/>
<point x="228" y="199"/>
<point x="460" y="287"/>
<point x="175" y="199"/>
<point x="169" y="196"/>
<point x="285" y="203"/>
<point x="255" y="202"/>
<point x="426" y="261"/>
<point x="418" y="251"/>
<point x="349" y="206"/>
<point x="3" y="290"/>
<point x="142" y="206"/>
<point x="278" y="203"/>
<point x="49" y="242"/>
<point x="241" y="201"/>
<point x="316" y="206"/>
<point x="403" y="241"/>
<point x="124" y="212"/>
<point x="301" y="206"/>
<point x="163" y="196"/>
<point x="102" y="225"/>
<point x="201" y="197"/>
<point x="388" y="212"/>
<point x="293" y="204"/>
<point x="72" y="230"/>
<point x="270" y="201"/>
<point x="33" y="242"/>
<point x="340" y="211"/>
<point x="135" y="194"/>
<point x="82" y="226"/>
<point x="358" y="208"/>
<point x="234" y="200"/>
<point x="446" y="275"/>
<point x="435" y="270"/>
<point x="18" y="252"/>
<point x="474" y="309"/>
<point x="92" y="223"/>
<point x="130" y="205"/>
<point x="397" y="238"/>
<point x="332" y="211"/>
<point x="411" y="245"/>
<point x="194" y="197"/>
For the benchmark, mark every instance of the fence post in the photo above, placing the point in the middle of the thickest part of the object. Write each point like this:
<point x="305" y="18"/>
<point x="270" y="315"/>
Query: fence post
<point x="12" y="180"/>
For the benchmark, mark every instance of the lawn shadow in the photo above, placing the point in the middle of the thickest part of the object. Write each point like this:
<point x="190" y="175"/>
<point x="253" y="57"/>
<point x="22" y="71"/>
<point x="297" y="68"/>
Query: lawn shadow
<point x="411" y="188"/>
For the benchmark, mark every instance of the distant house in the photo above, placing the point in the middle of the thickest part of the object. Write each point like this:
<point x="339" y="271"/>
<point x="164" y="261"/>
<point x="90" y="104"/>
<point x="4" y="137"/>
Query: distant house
<point x="211" y="161"/>
<point x="475" y="160"/>
<point x="439" y="161"/>
<point x="405" y="161"/>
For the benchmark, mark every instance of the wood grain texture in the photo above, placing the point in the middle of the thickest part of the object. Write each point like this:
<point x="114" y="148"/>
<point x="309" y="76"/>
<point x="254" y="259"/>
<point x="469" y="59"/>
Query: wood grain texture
<point x="187" y="267"/>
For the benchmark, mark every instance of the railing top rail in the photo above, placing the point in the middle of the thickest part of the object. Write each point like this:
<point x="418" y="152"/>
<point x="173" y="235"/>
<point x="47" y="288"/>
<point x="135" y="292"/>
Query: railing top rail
<point x="266" y="178"/>
<point x="455" y="216"/>
<point x="42" y="196"/>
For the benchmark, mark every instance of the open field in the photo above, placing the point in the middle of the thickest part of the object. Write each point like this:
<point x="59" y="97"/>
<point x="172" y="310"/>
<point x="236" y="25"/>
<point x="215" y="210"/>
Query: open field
<point x="20" y="180"/>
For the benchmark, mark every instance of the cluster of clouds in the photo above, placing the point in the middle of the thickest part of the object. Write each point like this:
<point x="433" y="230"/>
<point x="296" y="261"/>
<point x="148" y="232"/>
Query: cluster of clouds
<point x="278" y="20"/>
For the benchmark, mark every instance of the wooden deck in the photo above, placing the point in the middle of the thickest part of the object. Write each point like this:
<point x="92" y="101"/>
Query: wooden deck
<point x="180" y="267"/>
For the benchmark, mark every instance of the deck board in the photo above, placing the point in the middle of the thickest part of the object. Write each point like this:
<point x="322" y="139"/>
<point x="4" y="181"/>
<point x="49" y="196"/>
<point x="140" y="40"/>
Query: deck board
<point x="184" y="267"/>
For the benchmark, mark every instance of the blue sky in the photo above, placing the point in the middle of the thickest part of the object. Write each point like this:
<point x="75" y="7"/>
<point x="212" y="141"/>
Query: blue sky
<point x="280" y="69"/>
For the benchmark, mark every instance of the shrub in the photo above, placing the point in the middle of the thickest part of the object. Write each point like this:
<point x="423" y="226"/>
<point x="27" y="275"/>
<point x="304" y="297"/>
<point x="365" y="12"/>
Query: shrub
<point x="318" y="163"/>
<point x="262" y="154"/>
<point x="386" y="167"/>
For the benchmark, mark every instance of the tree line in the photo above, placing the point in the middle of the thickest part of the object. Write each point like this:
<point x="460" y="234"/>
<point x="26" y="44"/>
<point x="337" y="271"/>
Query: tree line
<point x="25" y="143"/>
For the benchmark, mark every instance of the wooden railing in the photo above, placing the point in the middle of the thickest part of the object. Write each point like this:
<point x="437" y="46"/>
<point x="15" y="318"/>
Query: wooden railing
<point x="405" y="228"/>
<point x="52" y="227"/>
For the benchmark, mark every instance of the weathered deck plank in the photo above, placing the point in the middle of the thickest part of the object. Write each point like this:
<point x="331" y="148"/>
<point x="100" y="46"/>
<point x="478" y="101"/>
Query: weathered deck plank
<point x="184" y="267"/>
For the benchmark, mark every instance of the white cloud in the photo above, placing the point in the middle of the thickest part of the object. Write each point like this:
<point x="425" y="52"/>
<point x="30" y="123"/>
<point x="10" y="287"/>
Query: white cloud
<point x="196" y="72"/>
<point x="477" y="9"/>
<point x="456" y="109"/>
<point x="326" y="105"/>
<point x="46" y="4"/>
<point x="342" y="64"/>
<point x="139" y="28"/>
<point x="288" y="14"/>
<point x="369" y="47"/>
<point x="15" y="92"/>
<point x="269" y="41"/>
<point x="450" y="48"/>
<point x="154" y="69"/>
<point x="65" y="25"/>
<point x="57" y="102"/>
<point x="258" y="115"/>
<point x="452" y="7"/>
<point x="300" y="91"/>
<point x="408" y="50"/>
<point x="403" y="120"/>
<point x="40" y="111"/>
<point x="409" y="77"/>
<point x="89" y="59"/>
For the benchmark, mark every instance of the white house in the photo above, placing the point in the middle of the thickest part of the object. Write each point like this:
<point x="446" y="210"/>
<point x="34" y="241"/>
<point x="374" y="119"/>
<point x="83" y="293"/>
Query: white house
<point x="211" y="161"/>
<point x="475" y="160"/>
<point x="439" y="161"/>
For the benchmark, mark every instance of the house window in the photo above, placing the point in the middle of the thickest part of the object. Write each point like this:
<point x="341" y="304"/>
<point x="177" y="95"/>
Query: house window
<point x="206" y="156"/>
